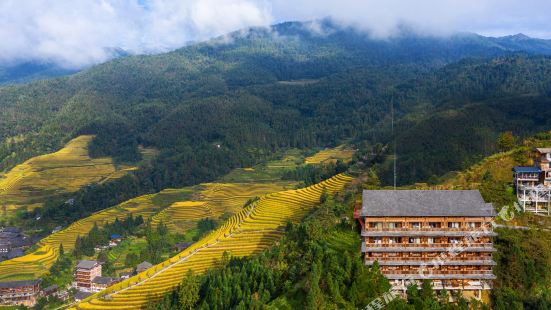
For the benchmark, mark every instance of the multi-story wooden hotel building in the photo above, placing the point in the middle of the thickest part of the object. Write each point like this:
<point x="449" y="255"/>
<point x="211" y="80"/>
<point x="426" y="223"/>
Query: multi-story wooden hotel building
<point x="24" y="292"/>
<point x="533" y="183"/>
<point x="86" y="271"/>
<point x="443" y="236"/>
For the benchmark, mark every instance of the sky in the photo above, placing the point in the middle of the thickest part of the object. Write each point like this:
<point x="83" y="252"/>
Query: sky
<point x="78" y="33"/>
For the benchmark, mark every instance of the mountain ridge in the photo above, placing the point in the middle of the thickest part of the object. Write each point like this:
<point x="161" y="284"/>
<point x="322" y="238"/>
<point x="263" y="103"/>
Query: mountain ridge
<point x="229" y="95"/>
<point x="34" y="69"/>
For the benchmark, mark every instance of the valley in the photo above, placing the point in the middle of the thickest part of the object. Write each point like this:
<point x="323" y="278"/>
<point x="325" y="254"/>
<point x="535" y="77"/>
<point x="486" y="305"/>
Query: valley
<point x="250" y="231"/>
<point x="179" y="209"/>
<point x="303" y="165"/>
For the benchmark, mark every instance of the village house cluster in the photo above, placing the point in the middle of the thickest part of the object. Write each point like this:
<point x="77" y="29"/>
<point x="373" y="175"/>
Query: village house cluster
<point x="13" y="243"/>
<point x="87" y="279"/>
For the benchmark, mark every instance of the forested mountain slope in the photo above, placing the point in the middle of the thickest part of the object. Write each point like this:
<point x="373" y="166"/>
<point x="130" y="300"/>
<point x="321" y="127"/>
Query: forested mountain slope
<point x="231" y="101"/>
<point x="29" y="71"/>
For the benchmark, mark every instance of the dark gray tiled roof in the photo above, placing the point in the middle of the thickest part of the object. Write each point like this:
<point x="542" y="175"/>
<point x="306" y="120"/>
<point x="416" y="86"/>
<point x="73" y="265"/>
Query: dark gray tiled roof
<point x="87" y="264"/>
<point x="425" y="203"/>
<point x="104" y="280"/>
<point x="143" y="266"/>
<point x="21" y="283"/>
<point x="80" y="295"/>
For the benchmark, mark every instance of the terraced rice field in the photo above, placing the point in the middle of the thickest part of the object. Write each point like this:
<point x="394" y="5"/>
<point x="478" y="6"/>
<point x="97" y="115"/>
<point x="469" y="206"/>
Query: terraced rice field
<point x="67" y="170"/>
<point x="213" y="201"/>
<point x="180" y="209"/>
<point x="172" y="206"/>
<point x="250" y="231"/>
<point x="37" y="263"/>
<point x="342" y="152"/>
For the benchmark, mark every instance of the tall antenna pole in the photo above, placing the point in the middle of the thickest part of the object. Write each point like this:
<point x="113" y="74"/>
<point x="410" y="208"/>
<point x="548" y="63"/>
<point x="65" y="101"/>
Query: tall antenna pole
<point x="393" y="137"/>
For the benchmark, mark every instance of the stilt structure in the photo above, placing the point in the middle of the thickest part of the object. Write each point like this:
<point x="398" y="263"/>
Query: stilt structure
<point x="533" y="184"/>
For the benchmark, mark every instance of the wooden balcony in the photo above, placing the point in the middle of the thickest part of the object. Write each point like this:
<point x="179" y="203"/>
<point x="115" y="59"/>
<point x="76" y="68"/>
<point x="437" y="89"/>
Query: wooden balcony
<point x="426" y="259"/>
<point x="411" y="261"/>
<point x="474" y="275"/>
<point x="426" y="228"/>
<point x="423" y="247"/>
<point x="440" y="272"/>
<point x="426" y="245"/>
<point x="428" y="233"/>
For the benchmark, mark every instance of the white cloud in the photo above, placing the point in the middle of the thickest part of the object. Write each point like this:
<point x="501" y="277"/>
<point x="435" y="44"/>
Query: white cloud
<point x="440" y="17"/>
<point x="75" y="33"/>
<point x="78" y="33"/>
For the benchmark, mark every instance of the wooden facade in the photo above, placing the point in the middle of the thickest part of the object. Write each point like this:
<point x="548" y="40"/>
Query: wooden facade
<point x="454" y="252"/>
<point x="85" y="273"/>
<point x="24" y="293"/>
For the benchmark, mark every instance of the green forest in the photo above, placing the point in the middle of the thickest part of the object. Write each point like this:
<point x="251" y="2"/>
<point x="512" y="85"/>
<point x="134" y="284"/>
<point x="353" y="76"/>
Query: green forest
<point x="259" y="94"/>
<point x="317" y="265"/>
<point x="432" y="105"/>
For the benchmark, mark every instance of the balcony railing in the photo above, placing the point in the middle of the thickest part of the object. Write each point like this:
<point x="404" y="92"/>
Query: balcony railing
<point x="427" y="228"/>
<point x="440" y="272"/>
<point x="425" y="259"/>
<point x="428" y="233"/>
<point x="427" y="245"/>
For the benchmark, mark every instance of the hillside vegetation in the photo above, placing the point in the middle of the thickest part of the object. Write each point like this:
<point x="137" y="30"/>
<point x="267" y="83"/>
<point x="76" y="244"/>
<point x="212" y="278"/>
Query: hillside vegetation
<point x="250" y="231"/>
<point x="231" y="102"/>
<point x="332" y="155"/>
<point x="523" y="256"/>
<point x="493" y="175"/>
<point x="179" y="209"/>
<point x="38" y="262"/>
<point x="40" y="178"/>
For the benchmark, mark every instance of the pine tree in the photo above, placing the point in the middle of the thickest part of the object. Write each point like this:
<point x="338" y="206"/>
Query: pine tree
<point x="189" y="291"/>
<point x="506" y="141"/>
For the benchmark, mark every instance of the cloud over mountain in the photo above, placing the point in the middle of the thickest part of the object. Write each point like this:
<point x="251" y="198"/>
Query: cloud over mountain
<point x="78" y="33"/>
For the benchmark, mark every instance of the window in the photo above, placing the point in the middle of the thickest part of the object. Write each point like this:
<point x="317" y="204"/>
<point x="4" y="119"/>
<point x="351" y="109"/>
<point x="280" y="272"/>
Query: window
<point x="393" y="225"/>
<point x="393" y="240"/>
<point x="434" y="224"/>
<point x="377" y="240"/>
<point x="416" y="225"/>
<point x="454" y="225"/>
<point x="455" y="240"/>
<point x="415" y="240"/>
<point x="473" y="224"/>
<point x="377" y="225"/>
<point x="430" y="240"/>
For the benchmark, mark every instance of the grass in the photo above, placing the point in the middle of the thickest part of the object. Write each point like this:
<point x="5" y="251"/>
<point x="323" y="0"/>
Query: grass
<point x="342" y="152"/>
<point x="493" y="177"/>
<point x="29" y="184"/>
<point x="266" y="172"/>
<point x="118" y="254"/>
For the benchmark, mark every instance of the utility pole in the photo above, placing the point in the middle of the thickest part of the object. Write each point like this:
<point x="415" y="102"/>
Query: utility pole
<point x="393" y="137"/>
